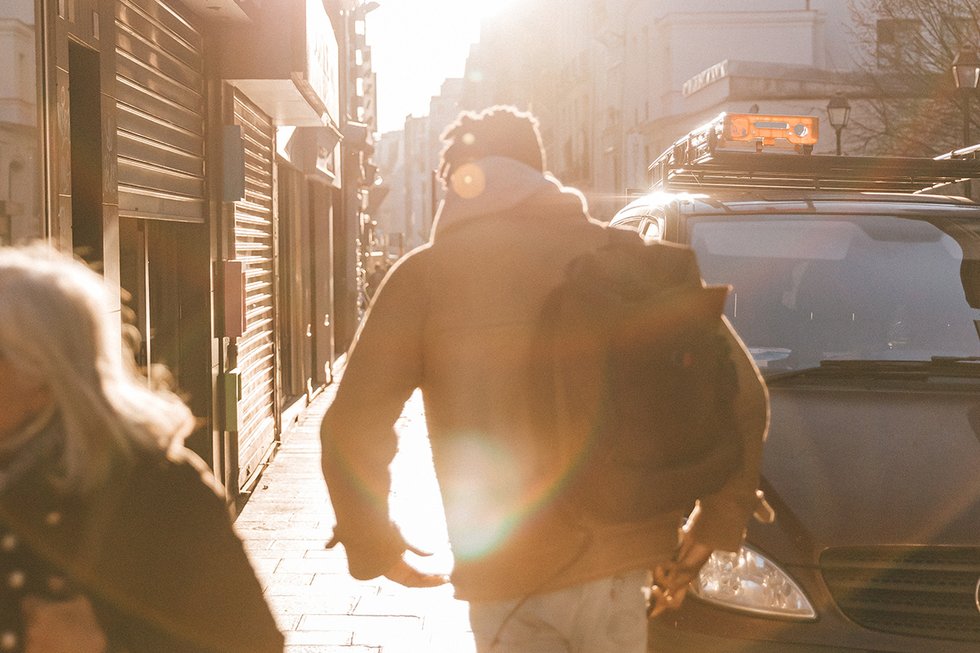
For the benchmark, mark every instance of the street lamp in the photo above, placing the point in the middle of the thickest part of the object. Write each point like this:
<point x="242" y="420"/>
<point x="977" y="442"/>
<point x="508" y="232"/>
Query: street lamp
<point x="838" y="112"/>
<point x="966" y="74"/>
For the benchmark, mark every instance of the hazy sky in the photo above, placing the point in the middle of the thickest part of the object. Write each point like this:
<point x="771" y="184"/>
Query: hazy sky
<point x="415" y="45"/>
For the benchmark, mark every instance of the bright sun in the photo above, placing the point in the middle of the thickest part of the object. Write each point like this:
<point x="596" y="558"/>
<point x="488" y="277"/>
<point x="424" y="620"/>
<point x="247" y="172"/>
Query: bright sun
<point x="416" y="44"/>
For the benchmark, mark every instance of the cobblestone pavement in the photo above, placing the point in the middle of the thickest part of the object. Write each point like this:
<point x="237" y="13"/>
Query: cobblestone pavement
<point x="319" y="607"/>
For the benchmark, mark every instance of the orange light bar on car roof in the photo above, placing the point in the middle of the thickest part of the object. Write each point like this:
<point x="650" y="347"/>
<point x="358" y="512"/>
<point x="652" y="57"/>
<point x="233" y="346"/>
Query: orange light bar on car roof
<point x="774" y="130"/>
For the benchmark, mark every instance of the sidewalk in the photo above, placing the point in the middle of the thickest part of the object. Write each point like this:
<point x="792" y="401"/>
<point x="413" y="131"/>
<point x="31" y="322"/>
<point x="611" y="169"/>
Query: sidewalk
<point x="318" y="606"/>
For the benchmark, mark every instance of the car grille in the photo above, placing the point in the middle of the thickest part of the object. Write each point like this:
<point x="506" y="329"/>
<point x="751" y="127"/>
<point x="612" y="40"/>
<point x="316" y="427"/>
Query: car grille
<point x="919" y="591"/>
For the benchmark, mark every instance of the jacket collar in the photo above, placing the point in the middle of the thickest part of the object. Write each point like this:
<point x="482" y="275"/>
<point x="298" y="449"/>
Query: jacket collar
<point x="496" y="184"/>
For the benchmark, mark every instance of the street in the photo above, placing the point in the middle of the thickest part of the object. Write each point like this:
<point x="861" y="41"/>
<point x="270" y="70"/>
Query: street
<point x="318" y="606"/>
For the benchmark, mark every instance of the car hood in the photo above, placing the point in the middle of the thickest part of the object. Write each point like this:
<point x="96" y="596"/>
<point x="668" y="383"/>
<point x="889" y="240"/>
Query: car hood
<point x="853" y="464"/>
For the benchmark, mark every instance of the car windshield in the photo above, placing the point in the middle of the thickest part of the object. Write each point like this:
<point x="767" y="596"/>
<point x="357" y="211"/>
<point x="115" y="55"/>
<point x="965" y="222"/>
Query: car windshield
<point x="810" y="288"/>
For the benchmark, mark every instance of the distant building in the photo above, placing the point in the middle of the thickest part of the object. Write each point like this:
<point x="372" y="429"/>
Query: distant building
<point x="406" y="214"/>
<point x="419" y="201"/>
<point x="390" y="214"/>
<point x="20" y="217"/>
<point x="616" y="81"/>
<point x="685" y="61"/>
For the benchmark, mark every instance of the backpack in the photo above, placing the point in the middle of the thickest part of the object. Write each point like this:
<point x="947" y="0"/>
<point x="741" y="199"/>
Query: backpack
<point x="632" y="382"/>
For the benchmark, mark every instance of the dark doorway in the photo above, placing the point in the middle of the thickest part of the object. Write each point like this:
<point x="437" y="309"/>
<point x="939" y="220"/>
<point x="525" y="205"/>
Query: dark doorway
<point x="164" y="274"/>
<point x="85" y="116"/>
<point x="296" y="286"/>
<point x="344" y="286"/>
<point x="321" y="202"/>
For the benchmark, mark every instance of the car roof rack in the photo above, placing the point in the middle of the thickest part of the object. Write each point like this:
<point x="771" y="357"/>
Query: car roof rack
<point x="965" y="153"/>
<point x="752" y="151"/>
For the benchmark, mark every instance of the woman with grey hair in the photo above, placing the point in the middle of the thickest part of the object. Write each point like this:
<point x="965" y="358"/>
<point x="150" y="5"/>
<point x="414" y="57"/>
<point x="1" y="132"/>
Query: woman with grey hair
<point x="105" y="518"/>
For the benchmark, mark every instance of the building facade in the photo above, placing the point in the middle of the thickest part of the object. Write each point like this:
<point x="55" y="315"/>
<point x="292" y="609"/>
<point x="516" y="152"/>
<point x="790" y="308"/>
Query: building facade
<point x="614" y="82"/>
<point x="408" y="165"/>
<point x="181" y="149"/>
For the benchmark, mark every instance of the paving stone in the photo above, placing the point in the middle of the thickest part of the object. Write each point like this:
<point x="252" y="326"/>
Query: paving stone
<point x="303" y="648"/>
<point x="287" y="622"/>
<point x="443" y="642"/>
<point x="333" y="603"/>
<point x="300" y="545"/>
<point x="320" y="638"/>
<point x="264" y="566"/>
<point x="313" y="565"/>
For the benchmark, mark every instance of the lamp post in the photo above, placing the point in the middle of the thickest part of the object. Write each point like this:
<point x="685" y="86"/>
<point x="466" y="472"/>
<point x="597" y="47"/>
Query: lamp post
<point x="838" y="112"/>
<point x="966" y="74"/>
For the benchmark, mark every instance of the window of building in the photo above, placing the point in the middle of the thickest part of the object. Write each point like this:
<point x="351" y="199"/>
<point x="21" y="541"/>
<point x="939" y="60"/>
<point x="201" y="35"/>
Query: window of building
<point x="20" y="160"/>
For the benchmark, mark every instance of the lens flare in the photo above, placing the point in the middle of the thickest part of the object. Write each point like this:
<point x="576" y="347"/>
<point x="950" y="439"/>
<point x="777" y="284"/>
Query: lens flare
<point x="468" y="181"/>
<point x="485" y="499"/>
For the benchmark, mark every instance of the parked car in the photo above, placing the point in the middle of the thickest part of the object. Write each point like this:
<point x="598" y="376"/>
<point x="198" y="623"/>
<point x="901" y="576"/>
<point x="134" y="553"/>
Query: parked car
<point x="862" y="310"/>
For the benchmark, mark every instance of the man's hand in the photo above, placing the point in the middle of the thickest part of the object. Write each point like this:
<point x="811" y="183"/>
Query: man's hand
<point x="670" y="583"/>
<point x="61" y="626"/>
<point x="405" y="574"/>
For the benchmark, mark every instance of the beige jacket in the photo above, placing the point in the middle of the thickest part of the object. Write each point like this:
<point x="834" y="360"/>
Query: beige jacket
<point x="455" y="318"/>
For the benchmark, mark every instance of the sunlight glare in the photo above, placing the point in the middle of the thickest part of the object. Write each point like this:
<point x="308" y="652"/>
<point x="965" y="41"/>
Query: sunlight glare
<point x="416" y="45"/>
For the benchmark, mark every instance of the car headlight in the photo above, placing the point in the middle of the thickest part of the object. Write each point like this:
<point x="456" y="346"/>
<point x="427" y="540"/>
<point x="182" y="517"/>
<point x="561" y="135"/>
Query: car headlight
<point x="750" y="582"/>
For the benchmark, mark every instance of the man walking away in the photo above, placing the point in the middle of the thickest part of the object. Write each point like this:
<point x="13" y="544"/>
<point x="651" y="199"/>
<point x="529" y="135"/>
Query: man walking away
<point x="456" y="318"/>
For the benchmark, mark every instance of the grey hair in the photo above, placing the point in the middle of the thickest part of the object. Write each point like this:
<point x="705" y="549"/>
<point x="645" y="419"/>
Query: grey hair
<point x="55" y="332"/>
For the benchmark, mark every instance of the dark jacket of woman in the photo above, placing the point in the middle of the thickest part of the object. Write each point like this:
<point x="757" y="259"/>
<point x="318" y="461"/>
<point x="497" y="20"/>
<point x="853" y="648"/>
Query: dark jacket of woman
<point x="153" y="549"/>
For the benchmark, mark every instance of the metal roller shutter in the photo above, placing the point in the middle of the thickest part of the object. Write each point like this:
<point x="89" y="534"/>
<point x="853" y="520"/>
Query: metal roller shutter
<point x="160" y="113"/>
<point x="254" y="247"/>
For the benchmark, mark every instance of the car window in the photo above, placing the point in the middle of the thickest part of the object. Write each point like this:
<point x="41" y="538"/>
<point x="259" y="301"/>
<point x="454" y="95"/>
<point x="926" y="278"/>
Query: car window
<point x="808" y="288"/>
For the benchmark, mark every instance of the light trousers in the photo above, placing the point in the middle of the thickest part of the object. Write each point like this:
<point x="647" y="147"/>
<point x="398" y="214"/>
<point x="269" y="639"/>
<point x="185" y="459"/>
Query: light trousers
<point x="602" y="616"/>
